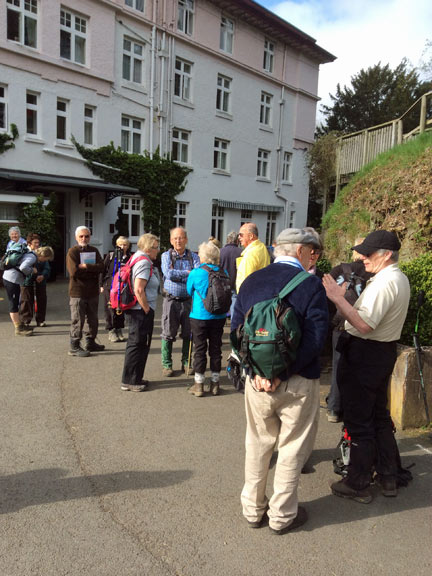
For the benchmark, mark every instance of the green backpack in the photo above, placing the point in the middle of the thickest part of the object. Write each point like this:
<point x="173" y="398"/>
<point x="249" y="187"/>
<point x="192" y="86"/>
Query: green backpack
<point x="13" y="256"/>
<point x="268" y="340"/>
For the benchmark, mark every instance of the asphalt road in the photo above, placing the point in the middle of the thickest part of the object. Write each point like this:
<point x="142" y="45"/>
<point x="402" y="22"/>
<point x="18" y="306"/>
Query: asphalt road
<point x="96" y="481"/>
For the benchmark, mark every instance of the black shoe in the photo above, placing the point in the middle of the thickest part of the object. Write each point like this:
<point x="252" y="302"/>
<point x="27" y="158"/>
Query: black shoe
<point x="259" y="523"/>
<point x="387" y="484"/>
<point x="93" y="346"/>
<point x="298" y="521"/>
<point x="78" y="351"/>
<point x="344" y="490"/>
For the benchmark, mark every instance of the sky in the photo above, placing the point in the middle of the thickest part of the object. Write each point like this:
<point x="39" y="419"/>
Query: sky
<point x="360" y="33"/>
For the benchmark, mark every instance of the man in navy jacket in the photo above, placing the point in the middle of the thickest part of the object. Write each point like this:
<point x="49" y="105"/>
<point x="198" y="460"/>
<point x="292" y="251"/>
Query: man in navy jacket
<point x="285" y="409"/>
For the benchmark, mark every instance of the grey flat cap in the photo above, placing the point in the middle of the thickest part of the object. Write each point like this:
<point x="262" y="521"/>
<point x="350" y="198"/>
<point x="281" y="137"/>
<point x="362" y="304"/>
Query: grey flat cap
<point x="297" y="236"/>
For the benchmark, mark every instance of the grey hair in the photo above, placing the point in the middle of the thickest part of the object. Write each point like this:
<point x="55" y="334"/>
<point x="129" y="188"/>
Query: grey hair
<point x="178" y="228"/>
<point x="14" y="229"/>
<point x="252" y="228"/>
<point x="285" y="250"/>
<point x="209" y="253"/>
<point x="232" y="237"/>
<point x="394" y="254"/>
<point x="78" y="230"/>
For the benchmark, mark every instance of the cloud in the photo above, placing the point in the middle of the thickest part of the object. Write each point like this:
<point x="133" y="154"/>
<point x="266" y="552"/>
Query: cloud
<point x="360" y="33"/>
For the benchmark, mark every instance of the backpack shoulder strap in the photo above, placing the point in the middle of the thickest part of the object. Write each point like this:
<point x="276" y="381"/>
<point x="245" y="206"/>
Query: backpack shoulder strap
<point x="173" y="257"/>
<point x="139" y="259"/>
<point x="293" y="283"/>
<point x="346" y="268"/>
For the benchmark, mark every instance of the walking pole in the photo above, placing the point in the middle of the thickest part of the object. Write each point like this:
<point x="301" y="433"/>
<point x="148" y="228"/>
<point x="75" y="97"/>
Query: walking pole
<point x="418" y="349"/>
<point x="190" y="355"/>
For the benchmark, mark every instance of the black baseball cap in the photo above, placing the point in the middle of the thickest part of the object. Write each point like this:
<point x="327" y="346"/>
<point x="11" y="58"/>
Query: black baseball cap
<point x="380" y="239"/>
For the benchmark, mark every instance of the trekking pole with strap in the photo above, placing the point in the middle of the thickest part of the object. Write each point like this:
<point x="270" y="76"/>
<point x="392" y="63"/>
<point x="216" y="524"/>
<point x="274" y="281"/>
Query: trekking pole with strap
<point x="189" y="355"/>
<point x="419" y="351"/>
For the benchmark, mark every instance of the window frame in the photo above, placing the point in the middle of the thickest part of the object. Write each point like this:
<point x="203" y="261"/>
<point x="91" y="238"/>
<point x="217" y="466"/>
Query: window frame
<point x="63" y="114"/>
<point x="4" y="106"/>
<point x="263" y="164"/>
<point x="132" y="207"/>
<point x="24" y="16"/>
<point x="90" y="121"/>
<point x="74" y="35"/>
<point x="134" y="4"/>
<point x="30" y="106"/>
<point x="185" y="80"/>
<point x="266" y="109"/>
<point x="182" y="144"/>
<point x="271" y="228"/>
<point x="226" y="36"/>
<point x="133" y="59"/>
<point x="269" y="55"/>
<point x="220" y="153"/>
<point x="287" y="168"/>
<point x="131" y="130"/>
<point x="217" y="224"/>
<point x="185" y="16"/>
<point x="223" y="94"/>
<point x="180" y="215"/>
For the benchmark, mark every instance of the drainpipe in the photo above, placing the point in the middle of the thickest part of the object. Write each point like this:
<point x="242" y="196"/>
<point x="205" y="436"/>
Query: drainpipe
<point x="152" y="80"/>
<point x="161" y="96"/>
<point x="279" y="156"/>
<point x="170" y="92"/>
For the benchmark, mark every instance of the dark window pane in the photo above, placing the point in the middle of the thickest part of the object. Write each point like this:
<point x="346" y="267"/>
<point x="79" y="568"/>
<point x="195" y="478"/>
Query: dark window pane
<point x="65" y="44"/>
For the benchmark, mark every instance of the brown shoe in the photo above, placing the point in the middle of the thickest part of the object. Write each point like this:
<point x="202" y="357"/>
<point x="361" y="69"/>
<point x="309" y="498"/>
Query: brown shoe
<point x="344" y="490"/>
<point x="298" y="521"/>
<point x="197" y="389"/>
<point x="167" y="372"/>
<point x="214" y="388"/>
<point x="22" y="330"/>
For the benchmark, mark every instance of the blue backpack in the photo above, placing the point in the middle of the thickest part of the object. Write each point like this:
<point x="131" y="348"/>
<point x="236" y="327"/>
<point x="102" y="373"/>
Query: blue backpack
<point x="13" y="256"/>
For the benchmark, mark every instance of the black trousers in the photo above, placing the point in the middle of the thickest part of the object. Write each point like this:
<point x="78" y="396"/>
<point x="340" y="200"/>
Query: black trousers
<point x="138" y="345"/>
<point x="363" y="375"/>
<point x="207" y="333"/>
<point x="112" y="319"/>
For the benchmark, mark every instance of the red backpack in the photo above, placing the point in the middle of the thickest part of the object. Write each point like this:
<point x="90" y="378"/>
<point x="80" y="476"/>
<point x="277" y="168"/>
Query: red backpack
<point x="122" y="296"/>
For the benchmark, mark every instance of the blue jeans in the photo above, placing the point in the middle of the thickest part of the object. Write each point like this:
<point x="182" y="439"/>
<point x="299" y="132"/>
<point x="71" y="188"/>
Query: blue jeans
<point x="233" y="301"/>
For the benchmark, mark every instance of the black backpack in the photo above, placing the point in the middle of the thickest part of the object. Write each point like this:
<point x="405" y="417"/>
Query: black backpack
<point x="218" y="298"/>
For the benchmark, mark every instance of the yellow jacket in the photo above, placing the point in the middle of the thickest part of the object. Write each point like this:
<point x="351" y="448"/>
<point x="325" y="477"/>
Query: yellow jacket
<point x="253" y="258"/>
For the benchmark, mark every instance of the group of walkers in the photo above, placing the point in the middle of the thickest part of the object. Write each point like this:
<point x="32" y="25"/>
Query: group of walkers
<point x="367" y="300"/>
<point x="25" y="283"/>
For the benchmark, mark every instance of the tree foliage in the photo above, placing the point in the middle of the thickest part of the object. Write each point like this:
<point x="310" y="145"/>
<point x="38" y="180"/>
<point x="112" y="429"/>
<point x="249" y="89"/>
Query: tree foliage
<point x="38" y="218"/>
<point x="158" y="179"/>
<point x="376" y="95"/>
<point x="7" y="140"/>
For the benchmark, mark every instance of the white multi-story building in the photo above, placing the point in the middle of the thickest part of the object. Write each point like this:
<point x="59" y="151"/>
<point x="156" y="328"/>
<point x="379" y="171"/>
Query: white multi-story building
<point x="226" y="87"/>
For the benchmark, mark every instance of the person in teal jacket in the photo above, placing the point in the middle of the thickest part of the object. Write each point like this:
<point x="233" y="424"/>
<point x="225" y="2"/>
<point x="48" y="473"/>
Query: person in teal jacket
<point x="207" y="329"/>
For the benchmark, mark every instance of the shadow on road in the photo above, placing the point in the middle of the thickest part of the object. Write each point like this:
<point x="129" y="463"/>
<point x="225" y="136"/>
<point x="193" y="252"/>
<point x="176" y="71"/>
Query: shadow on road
<point x="48" y="485"/>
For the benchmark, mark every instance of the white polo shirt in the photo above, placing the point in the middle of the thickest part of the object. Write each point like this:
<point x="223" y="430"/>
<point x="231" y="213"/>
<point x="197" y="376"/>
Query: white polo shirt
<point x="383" y="305"/>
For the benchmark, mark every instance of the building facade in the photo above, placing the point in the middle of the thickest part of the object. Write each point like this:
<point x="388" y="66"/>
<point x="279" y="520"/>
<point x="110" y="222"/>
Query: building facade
<point x="226" y="88"/>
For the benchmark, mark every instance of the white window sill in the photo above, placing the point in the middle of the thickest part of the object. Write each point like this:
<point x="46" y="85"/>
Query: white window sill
<point x="286" y="183"/>
<point x="262" y="179"/>
<point x="266" y="128"/>
<point x="220" y="172"/>
<point x="133" y="86"/>
<point x="64" y="144"/>
<point x="222" y="114"/>
<point x="181" y="102"/>
<point x="33" y="139"/>
<point x="74" y="63"/>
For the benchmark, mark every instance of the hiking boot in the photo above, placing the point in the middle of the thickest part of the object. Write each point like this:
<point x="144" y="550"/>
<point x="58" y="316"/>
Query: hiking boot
<point x="167" y="372"/>
<point x="120" y="336"/>
<point x="214" y="388"/>
<point x="298" y="521"/>
<point x="197" y="389"/>
<point x="112" y="336"/>
<point x="387" y="484"/>
<point x="344" y="490"/>
<point x="258" y="523"/>
<point x="333" y="416"/>
<point x="134" y="387"/>
<point x="93" y="346"/>
<point x="21" y="330"/>
<point x="188" y="371"/>
<point x="78" y="351"/>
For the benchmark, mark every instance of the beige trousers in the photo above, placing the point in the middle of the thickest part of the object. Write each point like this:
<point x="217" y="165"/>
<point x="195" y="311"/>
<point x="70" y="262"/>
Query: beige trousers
<point x="290" y="415"/>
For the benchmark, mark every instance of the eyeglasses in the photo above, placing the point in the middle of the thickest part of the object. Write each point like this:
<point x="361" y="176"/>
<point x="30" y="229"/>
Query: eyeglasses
<point x="84" y="236"/>
<point x="241" y="234"/>
<point x="315" y="253"/>
<point x="155" y="247"/>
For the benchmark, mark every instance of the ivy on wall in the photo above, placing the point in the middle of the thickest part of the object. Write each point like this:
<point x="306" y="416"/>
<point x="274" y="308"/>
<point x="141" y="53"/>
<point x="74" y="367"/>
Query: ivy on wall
<point x="158" y="179"/>
<point x="7" y="140"/>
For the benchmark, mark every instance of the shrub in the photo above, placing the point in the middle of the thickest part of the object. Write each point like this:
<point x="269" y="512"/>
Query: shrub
<point x="419" y="273"/>
<point x="324" y="265"/>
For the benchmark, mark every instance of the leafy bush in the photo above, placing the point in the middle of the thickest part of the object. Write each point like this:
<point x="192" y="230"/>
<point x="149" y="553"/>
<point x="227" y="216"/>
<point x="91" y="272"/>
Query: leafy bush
<point x="419" y="273"/>
<point x="4" y="238"/>
<point x="324" y="265"/>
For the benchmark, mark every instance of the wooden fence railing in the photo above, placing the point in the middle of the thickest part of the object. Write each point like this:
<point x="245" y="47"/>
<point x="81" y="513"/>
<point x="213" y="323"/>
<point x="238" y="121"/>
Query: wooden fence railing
<point x="359" y="148"/>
